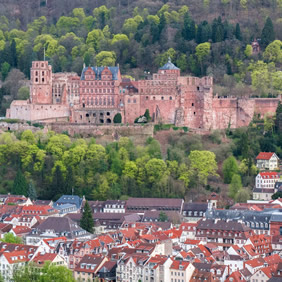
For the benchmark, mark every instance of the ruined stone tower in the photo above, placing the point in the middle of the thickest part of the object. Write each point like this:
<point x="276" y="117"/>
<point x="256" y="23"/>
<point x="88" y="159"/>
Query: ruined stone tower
<point x="41" y="83"/>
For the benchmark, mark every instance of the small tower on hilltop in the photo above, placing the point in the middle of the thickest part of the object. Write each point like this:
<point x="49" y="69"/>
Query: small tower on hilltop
<point x="41" y="83"/>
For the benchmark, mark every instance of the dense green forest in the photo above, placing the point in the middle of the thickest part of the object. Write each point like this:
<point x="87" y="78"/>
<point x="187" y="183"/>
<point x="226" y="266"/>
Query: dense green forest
<point x="49" y="165"/>
<point x="209" y="37"/>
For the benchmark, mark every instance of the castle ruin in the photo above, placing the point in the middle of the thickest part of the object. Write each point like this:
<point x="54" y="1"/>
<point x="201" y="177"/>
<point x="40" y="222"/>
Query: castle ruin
<point x="100" y="93"/>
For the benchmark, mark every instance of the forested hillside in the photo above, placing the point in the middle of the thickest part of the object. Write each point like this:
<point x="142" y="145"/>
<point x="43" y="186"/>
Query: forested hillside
<point x="201" y="37"/>
<point x="49" y="165"/>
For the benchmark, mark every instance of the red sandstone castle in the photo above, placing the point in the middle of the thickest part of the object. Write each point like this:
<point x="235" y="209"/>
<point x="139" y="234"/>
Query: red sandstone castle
<point x="101" y="92"/>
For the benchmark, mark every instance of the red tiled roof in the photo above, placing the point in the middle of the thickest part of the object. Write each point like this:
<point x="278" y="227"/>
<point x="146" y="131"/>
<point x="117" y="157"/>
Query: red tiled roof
<point x="235" y="277"/>
<point x="41" y="258"/>
<point x="95" y="243"/>
<point x="192" y="242"/>
<point x="255" y="262"/>
<point x="264" y="156"/>
<point x="271" y="174"/>
<point x="176" y="264"/>
<point x="38" y="210"/>
<point x="21" y="230"/>
<point x="16" y="256"/>
<point x="269" y="271"/>
<point x="273" y="259"/>
<point x="106" y="239"/>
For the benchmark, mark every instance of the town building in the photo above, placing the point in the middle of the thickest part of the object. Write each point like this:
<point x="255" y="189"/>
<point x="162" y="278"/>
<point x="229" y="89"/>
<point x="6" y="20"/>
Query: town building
<point x="268" y="161"/>
<point x="57" y="227"/>
<point x="265" y="183"/>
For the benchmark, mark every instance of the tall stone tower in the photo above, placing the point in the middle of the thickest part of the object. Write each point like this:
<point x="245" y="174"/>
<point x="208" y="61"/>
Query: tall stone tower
<point x="41" y="83"/>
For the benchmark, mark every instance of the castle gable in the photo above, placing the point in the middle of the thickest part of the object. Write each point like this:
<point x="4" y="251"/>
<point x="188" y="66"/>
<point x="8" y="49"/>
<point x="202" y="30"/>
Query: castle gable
<point x="98" y="71"/>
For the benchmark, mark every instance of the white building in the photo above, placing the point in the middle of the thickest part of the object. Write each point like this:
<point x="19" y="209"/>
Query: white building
<point x="265" y="182"/>
<point x="267" y="161"/>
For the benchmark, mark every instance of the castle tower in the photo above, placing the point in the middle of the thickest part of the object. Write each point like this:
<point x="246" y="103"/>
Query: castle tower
<point x="41" y="83"/>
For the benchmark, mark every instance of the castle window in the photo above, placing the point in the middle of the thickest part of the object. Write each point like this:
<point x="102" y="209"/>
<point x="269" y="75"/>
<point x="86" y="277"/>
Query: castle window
<point x="42" y="79"/>
<point x="113" y="91"/>
<point x="105" y="102"/>
<point x="109" y="120"/>
<point x="94" y="115"/>
<point x="37" y="65"/>
<point x="43" y="73"/>
<point x="100" y="101"/>
<point x="80" y="116"/>
<point x="42" y="65"/>
<point x="96" y="90"/>
<point x="128" y="101"/>
<point x="108" y="113"/>
<point x="96" y="101"/>
<point x="198" y="88"/>
<point x="83" y="105"/>
<point x="194" y="113"/>
<point x="91" y="100"/>
<point x="154" y="98"/>
<point x="113" y="101"/>
<point x="170" y="98"/>
<point x="36" y="73"/>
<point x="162" y="97"/>
<point x="192" y="104"/>
<point x="101" y="114"/>
<point x="101" y="121"/>
<point x="91" y="90"/>
<point x="87" y="115"/>
<point x="134" y="101"/>
<point x="36" y="79"/>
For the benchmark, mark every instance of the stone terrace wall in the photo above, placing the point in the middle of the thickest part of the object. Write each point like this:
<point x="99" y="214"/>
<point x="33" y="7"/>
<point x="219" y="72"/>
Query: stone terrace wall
<point x="5" y="126"/>
<point x="106" y="133"/>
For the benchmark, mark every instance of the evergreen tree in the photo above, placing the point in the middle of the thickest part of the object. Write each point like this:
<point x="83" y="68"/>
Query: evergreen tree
<point x="278" y="119"/>
<point x="238" y="32"/>
<point x="31" y="191"/>
<point x="20" y="186"/>
<point x="189" y="29"/>
<point x="14" y="59"/>
<point x="147" y="115"/>
<point x="87" y="222"/>
<point x="268" y="34"/>
<point x="203" y="32"/>
<point x="162" y="23"/>
<point x="68" y="187"/>
<point x="57" y="185"/>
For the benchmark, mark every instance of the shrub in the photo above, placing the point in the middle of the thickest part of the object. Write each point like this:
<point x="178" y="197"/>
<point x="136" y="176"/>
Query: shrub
<point x="10" y="120"/>
<point x="117" y="118"/>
